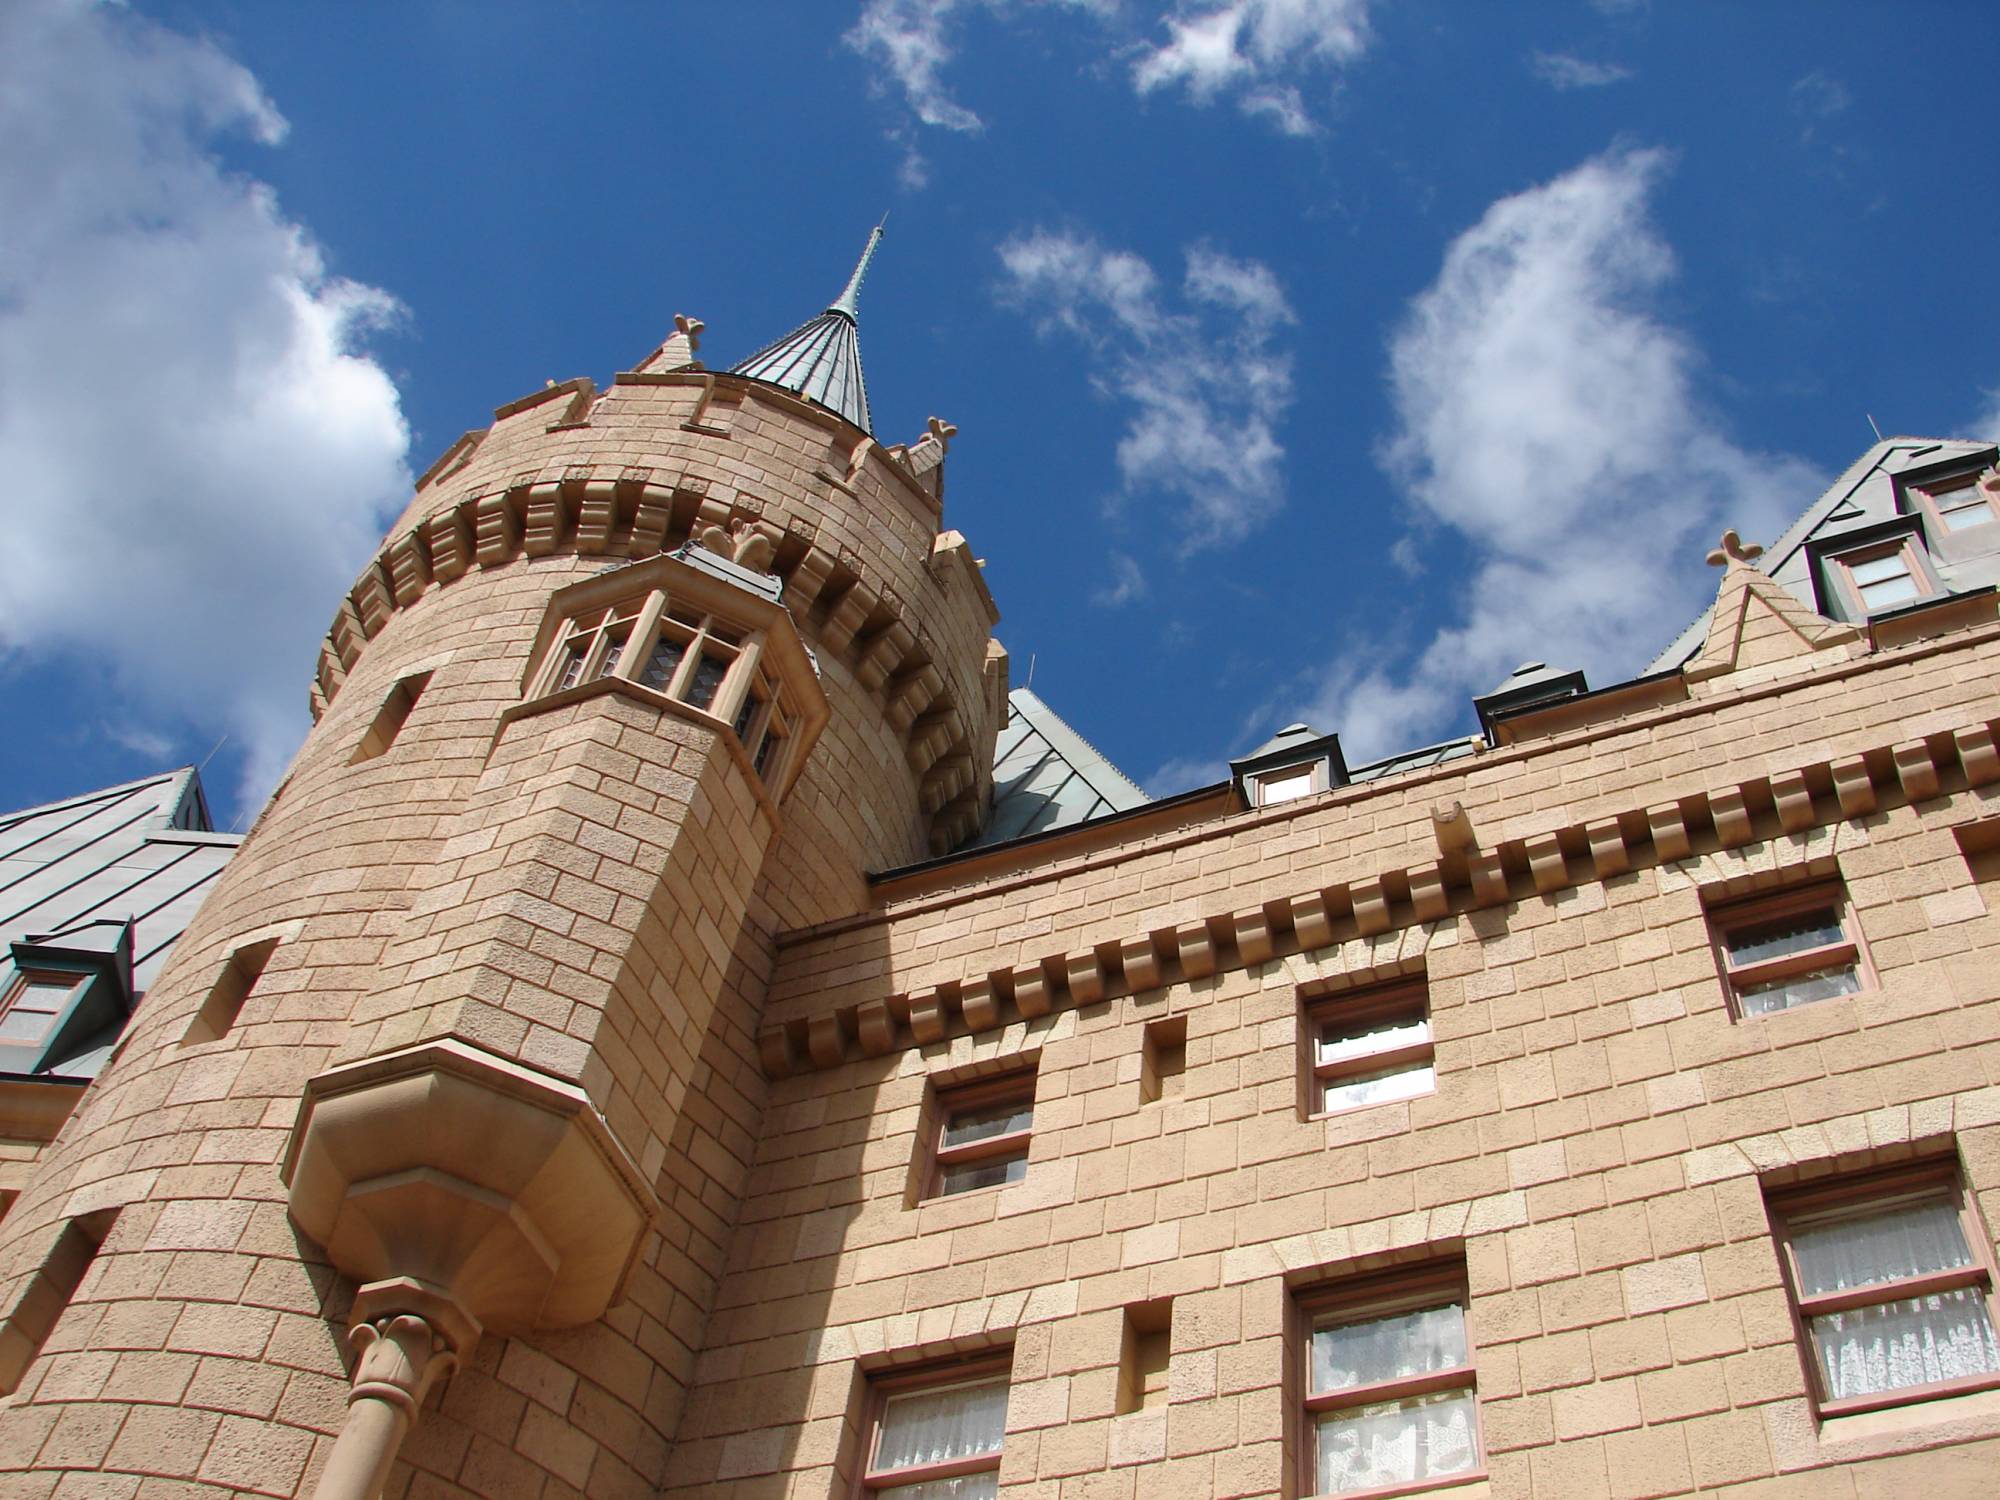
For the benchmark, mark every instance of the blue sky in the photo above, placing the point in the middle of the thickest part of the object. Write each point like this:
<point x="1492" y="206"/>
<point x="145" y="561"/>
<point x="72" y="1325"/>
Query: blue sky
<point x="1311" y="358"/>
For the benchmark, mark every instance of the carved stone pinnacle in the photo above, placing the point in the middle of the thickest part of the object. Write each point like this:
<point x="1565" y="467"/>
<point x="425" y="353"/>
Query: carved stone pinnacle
<point x="1734" y="549"/>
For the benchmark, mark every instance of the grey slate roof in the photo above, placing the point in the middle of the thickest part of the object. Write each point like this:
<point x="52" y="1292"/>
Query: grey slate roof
<point x="1046" y="775"/>
<point x="821" y="358"/>
<point x="143" y="851"/>
<point x="1864" y="496"/>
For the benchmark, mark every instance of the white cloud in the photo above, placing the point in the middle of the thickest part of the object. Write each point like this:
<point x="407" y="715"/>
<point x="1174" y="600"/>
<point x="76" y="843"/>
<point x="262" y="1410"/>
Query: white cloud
<point x="1127" y="584"/>
<point x="1252" y="48"/>
<point x="1185" y="774"/>
<point x="1204" y="385"/>
<point x="198" y="458"/>
<point x="1547" y="416"/>
<point x="1560" y="70"/>
<point x="1987" y="424"/>
<point x="1254" y="51"/>
<point x="908" y="39"/>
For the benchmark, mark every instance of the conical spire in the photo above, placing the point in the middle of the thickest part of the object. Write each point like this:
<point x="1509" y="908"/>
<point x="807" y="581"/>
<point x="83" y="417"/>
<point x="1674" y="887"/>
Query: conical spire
<point x="821" y="359"/>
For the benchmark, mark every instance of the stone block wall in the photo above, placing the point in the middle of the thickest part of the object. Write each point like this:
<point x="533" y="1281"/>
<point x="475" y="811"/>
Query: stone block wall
<point x="1597" y="1153"/>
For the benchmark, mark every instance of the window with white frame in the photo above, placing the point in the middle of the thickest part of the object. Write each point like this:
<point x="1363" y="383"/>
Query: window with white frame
<point x="1388" y="1385"/>
<point x="1883" y="577"/>
<point x="1963" y="501"/>
<point x="983" y="1134"/>
<point x="1288" y="784"/>
<point x="1370" y="1046"/>
<point x="937" y="1435"/>
<point x="1891" y="1276"/>
<point x="690" y="654"/>
<point x="1788" y="948"/>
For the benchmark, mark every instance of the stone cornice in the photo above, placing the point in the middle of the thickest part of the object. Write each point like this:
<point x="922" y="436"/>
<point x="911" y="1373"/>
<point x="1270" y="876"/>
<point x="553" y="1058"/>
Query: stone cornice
<point x="1815" y="793"/>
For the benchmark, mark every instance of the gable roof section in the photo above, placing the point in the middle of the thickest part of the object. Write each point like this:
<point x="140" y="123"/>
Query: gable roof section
<point x="1046" y="775"/>
<point x="143" y="851"/>
<point x="1862" y="496"/>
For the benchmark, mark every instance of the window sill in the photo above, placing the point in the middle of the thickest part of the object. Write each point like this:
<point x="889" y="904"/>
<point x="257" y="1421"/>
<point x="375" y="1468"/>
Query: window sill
<point x="1355" y="1109"/>
<point x="1833" y="1414"/>
<point x="1469" y="1486"/>
<point x="1867" y="992"/>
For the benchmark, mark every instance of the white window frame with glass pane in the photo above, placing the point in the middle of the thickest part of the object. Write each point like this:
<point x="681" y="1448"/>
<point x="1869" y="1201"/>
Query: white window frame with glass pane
<point x="1875" y="576"/>
<point x="1383" y="1358"/>
<point x="33" y="1004"/>
<point x="1962" y="501"/>
<point x="1367" y="1047"/>
<point x="672" y="645"/>
<point x="1778" y="952"/>
<point x="1891" y="1280"/>
<point x="936" y="1434"/>
<point x="983" y="1133"/>
<point x="1289" y="783"/>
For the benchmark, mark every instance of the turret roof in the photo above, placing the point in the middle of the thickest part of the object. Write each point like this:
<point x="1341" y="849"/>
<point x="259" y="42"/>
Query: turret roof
<point x="821" y="358"/>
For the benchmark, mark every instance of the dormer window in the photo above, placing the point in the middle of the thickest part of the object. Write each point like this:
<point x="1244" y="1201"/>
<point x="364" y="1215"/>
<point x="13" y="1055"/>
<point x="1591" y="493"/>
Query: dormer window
<point x="1883" y="577"/>
<point x="32" y="1004"/>
<point x="1285" y="785"/>
<point x="1962" y="501"/>
<point x="1295" y="762"/>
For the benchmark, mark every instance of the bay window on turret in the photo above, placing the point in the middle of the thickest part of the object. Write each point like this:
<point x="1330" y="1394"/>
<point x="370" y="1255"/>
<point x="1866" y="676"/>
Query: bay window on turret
<point x="695" y="631"/>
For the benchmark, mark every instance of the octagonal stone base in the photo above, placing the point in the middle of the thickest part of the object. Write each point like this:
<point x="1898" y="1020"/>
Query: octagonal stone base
<point x="449" y="1166"/>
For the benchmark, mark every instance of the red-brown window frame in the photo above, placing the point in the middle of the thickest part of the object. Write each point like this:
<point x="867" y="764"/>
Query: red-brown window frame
<point x="1727" y="913"/>
<point x="1913" y="561"/>
<point x="1864" y="1193"/>
<point x="1017" y="1086"/>
<point x="982" y="1370"/>
<point x="1927" y="496"/>
<point x="1398" y="998"/>
<point x="1355" y="1300"/>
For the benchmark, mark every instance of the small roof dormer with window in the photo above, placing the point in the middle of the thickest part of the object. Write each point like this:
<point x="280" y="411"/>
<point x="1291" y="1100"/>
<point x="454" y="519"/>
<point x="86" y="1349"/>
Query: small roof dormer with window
<point x="1295" y="762"/>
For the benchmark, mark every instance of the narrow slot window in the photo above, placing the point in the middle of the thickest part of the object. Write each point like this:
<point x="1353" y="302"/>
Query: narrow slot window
<point x="1145" y="1356"/>
<point x="37" y="1311"/>
<point x="232" y="987"/>
<point x="1163" y="1059"/>
<point x="391" y="717"/>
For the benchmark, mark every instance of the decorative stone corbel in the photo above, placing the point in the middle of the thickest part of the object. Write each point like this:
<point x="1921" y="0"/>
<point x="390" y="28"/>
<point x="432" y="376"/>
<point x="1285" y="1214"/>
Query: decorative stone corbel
<point x="461" y="1189"/>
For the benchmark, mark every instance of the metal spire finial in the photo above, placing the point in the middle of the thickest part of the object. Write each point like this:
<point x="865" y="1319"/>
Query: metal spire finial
<point x="848" y="301"/>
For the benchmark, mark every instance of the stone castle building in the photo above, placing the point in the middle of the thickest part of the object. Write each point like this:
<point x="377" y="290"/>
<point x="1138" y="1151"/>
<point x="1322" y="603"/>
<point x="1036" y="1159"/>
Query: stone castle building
<point x="683" y="1028"/>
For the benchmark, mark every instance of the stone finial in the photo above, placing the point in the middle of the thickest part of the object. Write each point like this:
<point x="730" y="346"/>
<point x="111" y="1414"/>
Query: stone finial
<point x="743" y="545"/>
<point x="1734" y="550"/>
<point x="943" y="431"/>
<point x="689" y="329"/>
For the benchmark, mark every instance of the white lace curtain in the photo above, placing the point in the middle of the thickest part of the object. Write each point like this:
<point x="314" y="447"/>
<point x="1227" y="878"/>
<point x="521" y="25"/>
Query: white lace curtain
<point x="965" y="1487"/>
<point x="1891" y="1345"/>
<point x="1408" y="1343"/>
<point x="927" y="1427"/>
<point x="1397" y="1442"/>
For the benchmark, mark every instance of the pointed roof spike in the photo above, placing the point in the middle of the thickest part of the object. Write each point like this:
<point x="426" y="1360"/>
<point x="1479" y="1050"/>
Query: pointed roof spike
<point x="850" y="295"/>
<point x="821" y="358"/>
